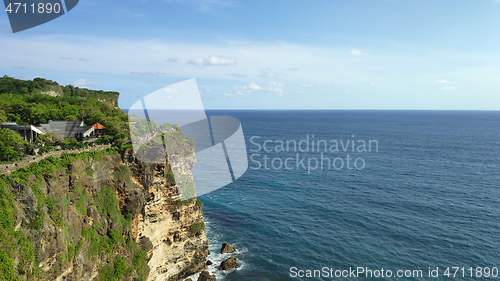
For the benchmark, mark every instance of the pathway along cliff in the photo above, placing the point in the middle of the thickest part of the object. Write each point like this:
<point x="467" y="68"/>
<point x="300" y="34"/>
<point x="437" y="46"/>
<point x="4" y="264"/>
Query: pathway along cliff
<point x="100" y="215"/>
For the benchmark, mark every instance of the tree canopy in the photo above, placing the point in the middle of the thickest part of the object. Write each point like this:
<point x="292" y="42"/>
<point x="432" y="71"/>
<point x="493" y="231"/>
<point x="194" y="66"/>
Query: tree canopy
<point x="9" y="85"/>
<point x="12" y="145"/>
<point x="21" y="101"/>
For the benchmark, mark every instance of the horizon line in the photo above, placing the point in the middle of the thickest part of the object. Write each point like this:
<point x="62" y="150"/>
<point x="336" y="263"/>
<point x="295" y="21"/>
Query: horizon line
<point x="323" y="109"/>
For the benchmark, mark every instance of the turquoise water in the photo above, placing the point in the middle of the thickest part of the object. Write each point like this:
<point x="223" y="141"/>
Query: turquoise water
<point x="428" y="197"/>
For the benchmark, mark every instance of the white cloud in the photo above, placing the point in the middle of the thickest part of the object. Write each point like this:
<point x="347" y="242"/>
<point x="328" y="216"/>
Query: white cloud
<point x="113" y="57"/>
<point x="307" y="85"/>
<point x="148" y="73"/>
<point x="168" y="91"/>
<point x="277" y="84"/>
<point x="267" y="74"/>
<point x="372" y="84"/>
<point x="254" y="87"/>
<point x="197" y="61"/>
<point x="329" y="84"/>
<point x="238" y="94"/>
<point x="237" y="75"/>
<point x="357" y="53"/>
<point x="449" y="88"/>
<point x="443" y="81"/>
<point x="279" y="91"/>
<point x="212" y="61"/>
<point x="82" y="83"/>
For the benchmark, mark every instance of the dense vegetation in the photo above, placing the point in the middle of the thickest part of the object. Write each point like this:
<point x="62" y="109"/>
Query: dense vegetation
<point x="12" y="242"/>
<point x="118" y="245"/>
<point x="12" y="145"/>
<point x="9" y="85"/>
<point x="22" y="102"/>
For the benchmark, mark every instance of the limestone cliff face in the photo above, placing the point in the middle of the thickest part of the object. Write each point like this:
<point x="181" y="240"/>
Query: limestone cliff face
<point x="108" y="215"/>
<point x="178" y="250"/>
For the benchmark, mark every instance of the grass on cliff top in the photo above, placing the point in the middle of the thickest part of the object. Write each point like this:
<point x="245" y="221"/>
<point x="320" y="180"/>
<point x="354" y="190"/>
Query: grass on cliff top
<point x="50" y="164"/>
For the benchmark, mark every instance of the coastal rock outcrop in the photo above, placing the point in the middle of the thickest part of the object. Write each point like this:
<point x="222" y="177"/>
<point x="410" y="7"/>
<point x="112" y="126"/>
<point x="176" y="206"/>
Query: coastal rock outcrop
<point x="205" y="276"/>
<point x="229" y="264"/>
<point x="227" y="248"/>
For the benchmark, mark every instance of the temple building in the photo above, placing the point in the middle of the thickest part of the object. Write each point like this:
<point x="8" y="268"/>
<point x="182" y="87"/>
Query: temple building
<point x="68" y="129"/>
<point x="28" y="132"/>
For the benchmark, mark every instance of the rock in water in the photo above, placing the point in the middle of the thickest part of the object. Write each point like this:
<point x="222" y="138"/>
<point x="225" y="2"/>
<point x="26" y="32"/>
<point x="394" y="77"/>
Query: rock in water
<point x="209" y="262"/>
<point x="229" y="264"/>
<point x="227" y="248"/>
<point x="205" y="276"/>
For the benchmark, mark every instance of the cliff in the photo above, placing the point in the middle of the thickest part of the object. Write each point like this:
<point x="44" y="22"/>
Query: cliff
<point x="99" y="216"/>
<point x="9" y="85"/>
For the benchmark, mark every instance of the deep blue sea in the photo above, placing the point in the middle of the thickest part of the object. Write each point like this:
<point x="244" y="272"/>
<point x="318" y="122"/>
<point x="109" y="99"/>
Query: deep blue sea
<point x="429" y="197"/>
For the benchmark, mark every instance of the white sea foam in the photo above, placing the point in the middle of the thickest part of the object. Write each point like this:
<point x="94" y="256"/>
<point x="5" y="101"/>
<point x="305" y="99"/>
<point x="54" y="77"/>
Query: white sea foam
<point x="215" y="242"/>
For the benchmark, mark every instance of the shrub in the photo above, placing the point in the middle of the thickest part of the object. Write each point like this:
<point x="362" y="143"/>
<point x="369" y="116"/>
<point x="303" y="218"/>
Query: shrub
<point x="12" y="145"/>
<point x="104" y="140"/>
<point x="195" y="227"/>
<point x="81" y="204"/>
<point x="50" y="164"/>
<point x="45" y="149"/>
<point x="123" y="174"/>
<point x="49" y="139"/>
<point x="54" y="213"/>
<point x="181" y="202"/>
<point x="171" y="177"/>
<point x="89" y="171"/>
<point x="70" y="142"/>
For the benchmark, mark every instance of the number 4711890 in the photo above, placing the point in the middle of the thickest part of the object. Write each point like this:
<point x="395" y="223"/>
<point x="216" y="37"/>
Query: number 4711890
<point x="39" y="8"/>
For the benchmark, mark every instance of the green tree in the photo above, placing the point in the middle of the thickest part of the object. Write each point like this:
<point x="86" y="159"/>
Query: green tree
<point x="12" y="145"/>
<point x="22" y="102"/>
<point x="69" y="142"/>
<point x="49" y="139"/>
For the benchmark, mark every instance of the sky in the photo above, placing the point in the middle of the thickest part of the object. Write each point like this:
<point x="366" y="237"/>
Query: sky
<point x="279" y="54"/>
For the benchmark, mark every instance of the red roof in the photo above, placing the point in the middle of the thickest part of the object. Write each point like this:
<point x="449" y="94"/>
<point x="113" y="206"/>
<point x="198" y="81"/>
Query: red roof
<point x="98" y="126"/>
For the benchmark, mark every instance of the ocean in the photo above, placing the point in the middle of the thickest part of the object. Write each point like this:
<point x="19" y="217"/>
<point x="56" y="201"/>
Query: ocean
<point x="423" y="199"/>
